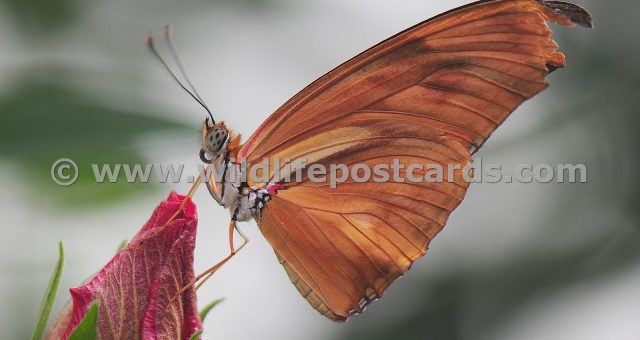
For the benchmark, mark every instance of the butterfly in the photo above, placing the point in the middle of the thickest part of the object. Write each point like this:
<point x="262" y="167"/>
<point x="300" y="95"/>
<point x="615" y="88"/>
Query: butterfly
<point x="432" y="94"/>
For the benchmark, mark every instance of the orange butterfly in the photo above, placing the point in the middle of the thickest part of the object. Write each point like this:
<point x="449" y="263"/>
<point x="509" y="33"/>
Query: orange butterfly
<point x="432" y="94"/>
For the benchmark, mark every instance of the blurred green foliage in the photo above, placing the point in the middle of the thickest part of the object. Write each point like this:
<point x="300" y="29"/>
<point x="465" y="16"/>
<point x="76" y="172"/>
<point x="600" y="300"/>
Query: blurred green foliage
<point x="44" y="120"/>
<point x="42" y="18"/>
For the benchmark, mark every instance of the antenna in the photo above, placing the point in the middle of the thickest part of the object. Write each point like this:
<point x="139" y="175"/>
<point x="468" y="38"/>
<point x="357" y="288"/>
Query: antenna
<point x="176" y="58"/>
<point x="195" y="96"/>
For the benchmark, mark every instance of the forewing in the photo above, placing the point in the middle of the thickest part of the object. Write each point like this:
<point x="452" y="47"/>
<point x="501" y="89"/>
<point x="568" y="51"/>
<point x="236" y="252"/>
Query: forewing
<point x="463" y="72"/>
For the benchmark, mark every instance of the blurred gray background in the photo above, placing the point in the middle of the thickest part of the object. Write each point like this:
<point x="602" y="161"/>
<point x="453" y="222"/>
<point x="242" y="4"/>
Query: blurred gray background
<point x="516" y="261"/>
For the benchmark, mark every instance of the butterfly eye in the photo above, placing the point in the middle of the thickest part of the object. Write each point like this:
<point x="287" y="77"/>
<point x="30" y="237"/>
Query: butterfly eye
<point x="215" y="139"/>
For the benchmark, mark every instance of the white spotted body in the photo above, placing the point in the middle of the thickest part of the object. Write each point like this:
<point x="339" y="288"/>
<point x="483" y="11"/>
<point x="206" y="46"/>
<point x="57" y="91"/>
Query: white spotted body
<point x="240" y="199"/>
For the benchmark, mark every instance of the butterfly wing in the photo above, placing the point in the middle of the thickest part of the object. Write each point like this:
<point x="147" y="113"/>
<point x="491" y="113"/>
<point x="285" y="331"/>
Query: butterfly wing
<point x="432" y="94"/>
<point x="342" y="247"/>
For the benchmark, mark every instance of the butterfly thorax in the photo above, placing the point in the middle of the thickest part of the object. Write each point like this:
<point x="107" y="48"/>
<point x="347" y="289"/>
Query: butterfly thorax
<point x="229" y="185"/>
<point x="242" y="201"/>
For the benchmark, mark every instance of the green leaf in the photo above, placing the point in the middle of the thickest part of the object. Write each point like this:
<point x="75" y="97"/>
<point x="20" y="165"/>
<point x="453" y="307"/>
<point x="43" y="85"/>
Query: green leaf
<point x="196" y="335"/>
<point x="50" y="296"/>
<point x="208" y="308"/>
<point x="86" y="329"/>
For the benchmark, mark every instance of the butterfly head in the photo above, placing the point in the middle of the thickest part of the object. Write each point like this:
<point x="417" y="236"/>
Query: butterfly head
<point x="215" y="138"/>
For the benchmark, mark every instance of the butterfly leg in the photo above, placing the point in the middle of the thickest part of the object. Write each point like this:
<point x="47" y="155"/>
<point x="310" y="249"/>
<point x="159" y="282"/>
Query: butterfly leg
<point x="233" y="251"/>
<point x="190" y="194"/>
<point x="232" y="226"/>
